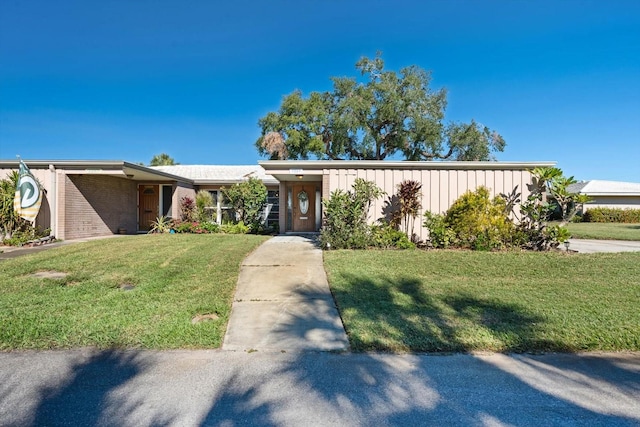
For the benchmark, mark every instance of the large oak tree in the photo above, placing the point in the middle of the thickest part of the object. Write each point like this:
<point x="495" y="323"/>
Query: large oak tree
<point x="385" y="114"/>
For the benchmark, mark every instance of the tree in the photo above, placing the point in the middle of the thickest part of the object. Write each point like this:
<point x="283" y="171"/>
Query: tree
<point x="248" y="199"/>
<point x="388" y="114"/>
<point x="162" y="159"/>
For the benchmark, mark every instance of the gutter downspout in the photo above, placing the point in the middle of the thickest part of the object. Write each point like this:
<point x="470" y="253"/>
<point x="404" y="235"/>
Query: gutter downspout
<point x="54" y="201"/>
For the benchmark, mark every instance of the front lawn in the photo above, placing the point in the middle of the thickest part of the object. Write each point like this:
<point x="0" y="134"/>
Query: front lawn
<point x="600" y="230"/>
<point x="134" y="291"/>
<point x="443" y="301"/>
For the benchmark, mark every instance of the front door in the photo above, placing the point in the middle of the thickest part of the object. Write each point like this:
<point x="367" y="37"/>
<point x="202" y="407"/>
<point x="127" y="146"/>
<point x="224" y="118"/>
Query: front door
<point x="304" y="207"/>
<point x="148" y="206"/>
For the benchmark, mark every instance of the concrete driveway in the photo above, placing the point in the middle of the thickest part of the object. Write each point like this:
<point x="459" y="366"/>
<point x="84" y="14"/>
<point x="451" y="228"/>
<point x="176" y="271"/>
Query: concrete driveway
<point x="227" y="388"/>
<point x="588" y="246"/>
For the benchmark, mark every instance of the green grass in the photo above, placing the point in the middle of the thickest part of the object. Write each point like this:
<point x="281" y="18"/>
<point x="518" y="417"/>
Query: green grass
<point x="176" y="277"/>
<point x="452" y="301"/>
<point x="598" y="230"/>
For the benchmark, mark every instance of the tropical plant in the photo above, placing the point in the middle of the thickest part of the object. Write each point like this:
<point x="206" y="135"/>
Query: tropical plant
<point x="162" y="159"/>
<point x="409" y="197"/>
<point x="536" y="210"/>
<point x="161" y="224"/>
<point x="10" y="222"/>
<point x="204" y="207"/>
<point x="187" y="209"/>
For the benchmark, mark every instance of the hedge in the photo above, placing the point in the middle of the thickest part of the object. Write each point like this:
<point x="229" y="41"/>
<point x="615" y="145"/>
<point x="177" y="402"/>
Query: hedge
<point x="612" y="215"/>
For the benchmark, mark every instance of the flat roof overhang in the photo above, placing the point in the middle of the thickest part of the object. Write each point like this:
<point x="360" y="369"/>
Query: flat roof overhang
<point x="119" y="169"/>
<point x="223" y="182"/>
<point x="312" y="170"/>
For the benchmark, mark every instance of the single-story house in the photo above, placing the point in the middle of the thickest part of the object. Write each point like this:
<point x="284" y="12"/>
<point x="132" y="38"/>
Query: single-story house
<point x="95" y="198"/>
<point x="608" y="194"/>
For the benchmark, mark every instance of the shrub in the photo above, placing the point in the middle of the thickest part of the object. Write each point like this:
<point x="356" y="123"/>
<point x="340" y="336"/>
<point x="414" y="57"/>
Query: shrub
<point x="440" y="235"/>
<point x="25" y="234"/>
<point x="479" y="222"/>
<point x="346" y="215"/>
<point x="237" y="228"/>
<point x="343" y="225"/>
<point x="612" y="215"/>
<point x="387" y="237"/>
<point x="196" y="227"/>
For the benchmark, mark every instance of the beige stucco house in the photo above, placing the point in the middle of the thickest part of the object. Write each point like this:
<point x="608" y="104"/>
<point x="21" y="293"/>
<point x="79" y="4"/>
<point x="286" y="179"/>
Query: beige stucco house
<point x="95" y="198"/>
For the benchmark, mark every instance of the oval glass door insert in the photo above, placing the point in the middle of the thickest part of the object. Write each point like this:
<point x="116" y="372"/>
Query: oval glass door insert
<point x="303" y="201"/>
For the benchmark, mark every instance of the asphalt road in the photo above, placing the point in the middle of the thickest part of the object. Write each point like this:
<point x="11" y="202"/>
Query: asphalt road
<point x="227" y="388"/>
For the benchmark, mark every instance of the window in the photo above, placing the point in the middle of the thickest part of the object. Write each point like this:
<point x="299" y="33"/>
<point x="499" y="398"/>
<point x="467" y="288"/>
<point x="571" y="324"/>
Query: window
<point x="272" y="210"/>
<point x="167" y="198"/>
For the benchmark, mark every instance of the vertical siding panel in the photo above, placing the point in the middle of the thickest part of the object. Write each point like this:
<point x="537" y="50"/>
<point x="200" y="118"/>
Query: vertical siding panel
<point x="444" y="190"/>
<point x="481" y="179"/>
<point x="388" y="182"/>
<point x="425" y="201"/>
<point x="378" y="178"/>
<point x="463" y="183"/>
<point x="453" y="186"/>
<point x="501" y="184"/>
<point x="435" y="191"/>
<point x="508" y="181"/>
<point x="492" y="178"/>
<point x="471" y="180"/>
<point x="523" y="178"/>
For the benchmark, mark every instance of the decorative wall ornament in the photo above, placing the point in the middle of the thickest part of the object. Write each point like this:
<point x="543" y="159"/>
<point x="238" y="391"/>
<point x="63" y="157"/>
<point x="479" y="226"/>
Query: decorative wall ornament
<point x="303" y="201"/>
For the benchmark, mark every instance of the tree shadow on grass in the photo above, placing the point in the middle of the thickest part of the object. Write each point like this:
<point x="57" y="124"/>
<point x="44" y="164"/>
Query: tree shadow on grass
<point x="407" y="318"/>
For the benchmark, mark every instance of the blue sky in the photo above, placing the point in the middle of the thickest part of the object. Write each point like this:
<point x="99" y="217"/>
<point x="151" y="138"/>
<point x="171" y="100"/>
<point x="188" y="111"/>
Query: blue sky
<point x="124" y="80"/>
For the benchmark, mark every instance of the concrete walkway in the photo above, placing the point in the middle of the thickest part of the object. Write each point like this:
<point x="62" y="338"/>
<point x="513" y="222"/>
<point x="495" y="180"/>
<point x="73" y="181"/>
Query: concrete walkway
<point x="283" y="301"/>
<point x="7" y="252"/>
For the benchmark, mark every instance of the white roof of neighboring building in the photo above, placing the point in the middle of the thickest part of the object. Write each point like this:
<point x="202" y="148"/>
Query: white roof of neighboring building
<point x="597" y="187"/>
<point x="218" y="174"/>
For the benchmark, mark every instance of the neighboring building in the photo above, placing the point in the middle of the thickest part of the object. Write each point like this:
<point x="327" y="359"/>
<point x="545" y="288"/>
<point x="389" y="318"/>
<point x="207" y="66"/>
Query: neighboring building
<point x="94" y="198"/>
<point x="609" y="194"/>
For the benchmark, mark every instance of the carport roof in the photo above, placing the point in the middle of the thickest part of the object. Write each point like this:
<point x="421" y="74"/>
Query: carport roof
<point x="100" y="167"/>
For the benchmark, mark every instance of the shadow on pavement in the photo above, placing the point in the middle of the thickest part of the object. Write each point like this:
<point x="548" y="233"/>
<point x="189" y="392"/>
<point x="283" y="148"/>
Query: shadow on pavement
<point x="223" y="388"/>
